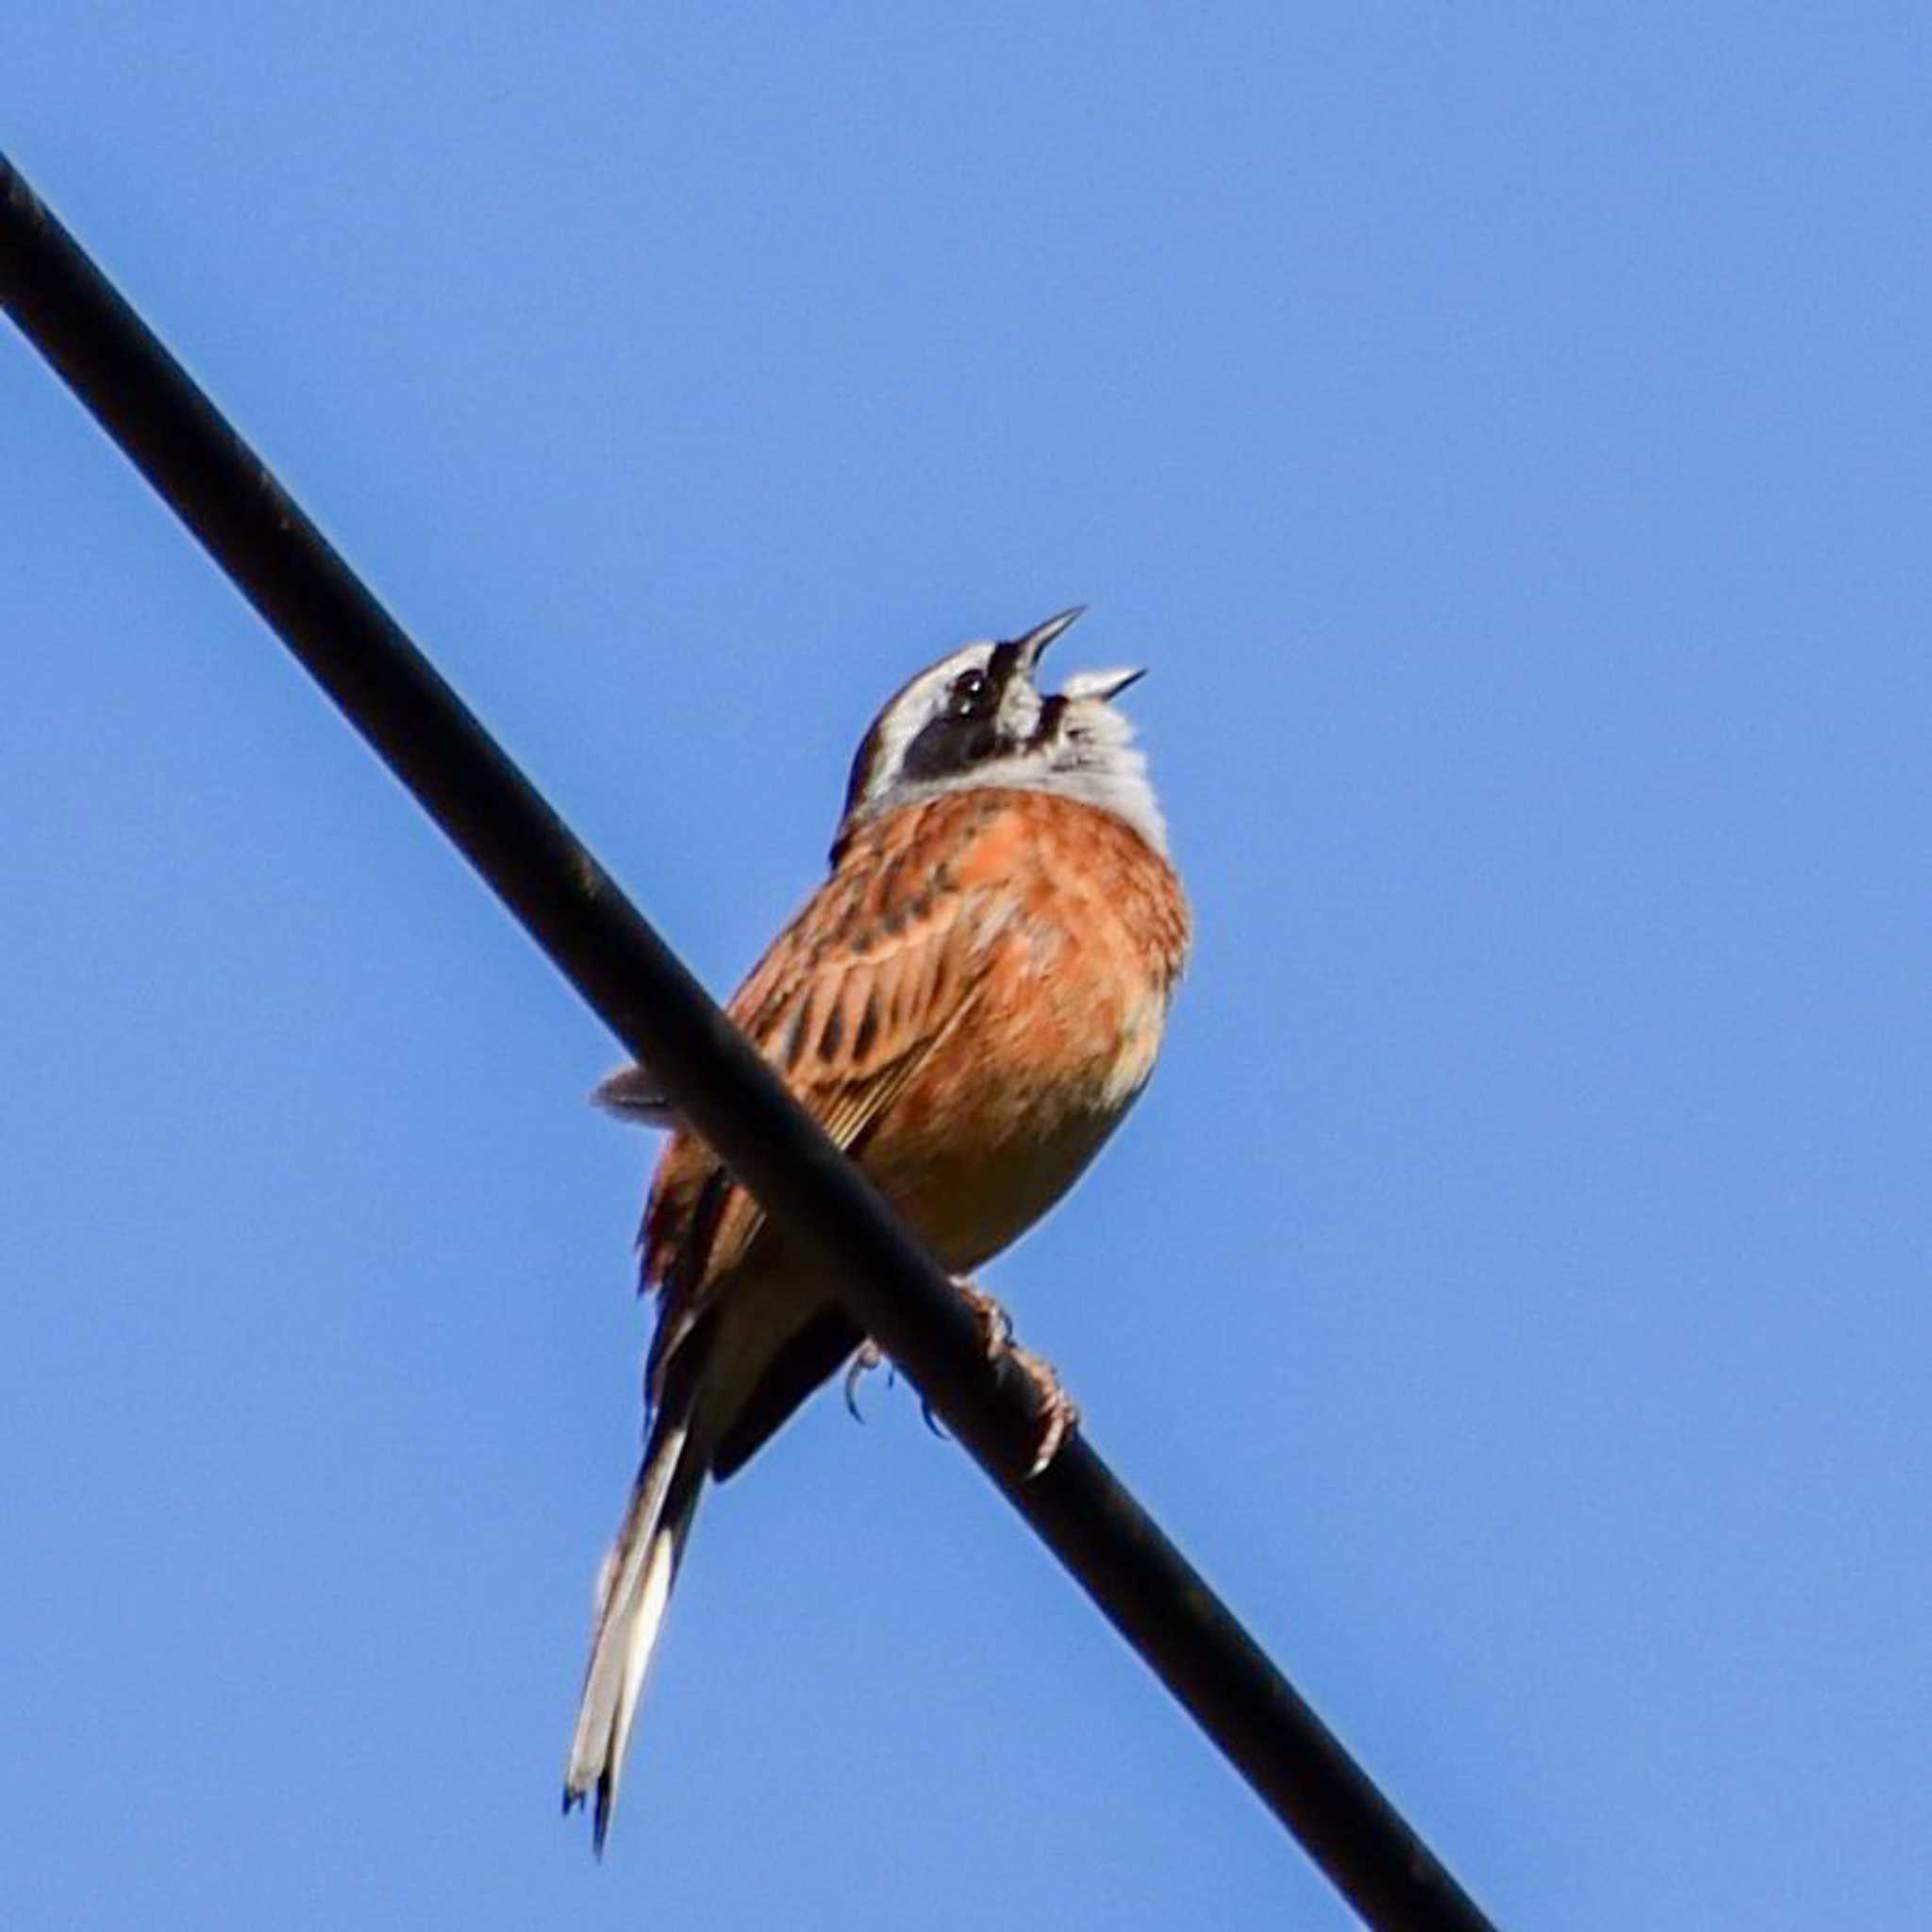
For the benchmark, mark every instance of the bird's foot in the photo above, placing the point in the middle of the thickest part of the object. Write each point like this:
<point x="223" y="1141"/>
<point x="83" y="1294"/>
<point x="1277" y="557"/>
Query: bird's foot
<point x="1060" y="1414"/>
<point x="996" y="1325"/>
<point x="995" y="1335"/>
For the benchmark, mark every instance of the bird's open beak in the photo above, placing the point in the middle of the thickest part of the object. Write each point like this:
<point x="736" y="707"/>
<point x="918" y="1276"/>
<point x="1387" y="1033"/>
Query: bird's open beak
<point x="1100" y="684"/>
<point x="1032" y="647"/>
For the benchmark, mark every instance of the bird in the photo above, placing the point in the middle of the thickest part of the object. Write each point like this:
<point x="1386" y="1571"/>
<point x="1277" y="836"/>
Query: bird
<point x="968" y="1005"/>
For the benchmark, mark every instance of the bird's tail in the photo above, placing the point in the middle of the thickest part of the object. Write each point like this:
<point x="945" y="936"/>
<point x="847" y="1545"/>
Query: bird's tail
<point x="633" y="1589"/>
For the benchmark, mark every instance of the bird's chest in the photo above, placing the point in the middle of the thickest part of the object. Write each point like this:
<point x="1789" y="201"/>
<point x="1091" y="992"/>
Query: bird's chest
<point x="1043" y="1062"/>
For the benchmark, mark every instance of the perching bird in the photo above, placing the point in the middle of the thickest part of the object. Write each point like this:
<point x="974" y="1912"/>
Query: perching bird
<point x="968" y="1004"/>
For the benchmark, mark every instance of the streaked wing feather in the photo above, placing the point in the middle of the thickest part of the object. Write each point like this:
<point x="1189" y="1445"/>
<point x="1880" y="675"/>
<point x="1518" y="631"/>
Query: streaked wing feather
<point x="847" y="1004"/>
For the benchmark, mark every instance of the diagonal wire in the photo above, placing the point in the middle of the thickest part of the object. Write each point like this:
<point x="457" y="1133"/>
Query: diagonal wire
<point x="570" y="906"/>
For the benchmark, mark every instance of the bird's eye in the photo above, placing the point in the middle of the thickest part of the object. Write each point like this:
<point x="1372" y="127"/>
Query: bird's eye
<point x="969" y="691"/>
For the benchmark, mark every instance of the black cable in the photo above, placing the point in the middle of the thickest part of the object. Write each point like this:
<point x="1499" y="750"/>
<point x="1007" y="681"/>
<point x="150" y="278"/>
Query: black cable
<point x="391" y="695"/>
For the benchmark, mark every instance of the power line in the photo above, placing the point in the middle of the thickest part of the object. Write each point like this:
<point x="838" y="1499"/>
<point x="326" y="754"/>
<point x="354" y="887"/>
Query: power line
<point x="570" y="906"/>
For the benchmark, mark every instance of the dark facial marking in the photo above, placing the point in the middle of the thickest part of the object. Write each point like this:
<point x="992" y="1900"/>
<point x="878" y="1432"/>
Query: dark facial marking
<point x="965" y="731"/>
<point x="963" y="735"/>
<point x="1050" y="714"/>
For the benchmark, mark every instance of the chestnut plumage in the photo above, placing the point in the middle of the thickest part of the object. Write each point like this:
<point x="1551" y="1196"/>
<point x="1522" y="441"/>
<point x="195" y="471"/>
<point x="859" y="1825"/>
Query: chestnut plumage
<point x="969" y="1004"/>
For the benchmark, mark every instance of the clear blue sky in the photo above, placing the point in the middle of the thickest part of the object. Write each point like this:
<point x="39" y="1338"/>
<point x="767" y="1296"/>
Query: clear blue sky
<point x="1503" y="431"/>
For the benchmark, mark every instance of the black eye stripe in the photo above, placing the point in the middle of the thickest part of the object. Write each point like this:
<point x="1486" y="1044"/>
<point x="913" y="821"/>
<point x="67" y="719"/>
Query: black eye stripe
<point x="949" y="744"/>
<point x="962" y="729"/>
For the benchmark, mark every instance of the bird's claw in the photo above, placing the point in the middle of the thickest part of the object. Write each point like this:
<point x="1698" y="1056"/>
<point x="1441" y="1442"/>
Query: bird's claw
<point x="863" y="1363"/>
<point x="870" y="1357"/>
<point x="1060" y="1414"/>
<point x="995" y="1324"/>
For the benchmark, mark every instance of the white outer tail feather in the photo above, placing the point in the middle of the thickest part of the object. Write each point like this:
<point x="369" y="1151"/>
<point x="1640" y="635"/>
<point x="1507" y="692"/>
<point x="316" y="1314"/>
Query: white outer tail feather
<point x="633" y="1589"/>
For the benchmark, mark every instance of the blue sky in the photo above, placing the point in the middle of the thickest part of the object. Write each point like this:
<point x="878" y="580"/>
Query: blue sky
<point x="1503" y="431"/>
